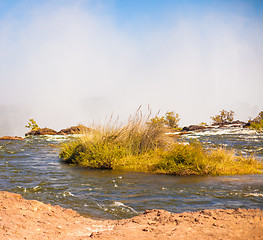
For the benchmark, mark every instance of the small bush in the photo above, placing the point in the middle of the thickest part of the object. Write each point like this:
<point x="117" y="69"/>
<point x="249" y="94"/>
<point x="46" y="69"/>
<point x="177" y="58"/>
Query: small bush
<point x="32" y="125"/>
<point x="169" y="120"/>
<point x="258" y="126"/>
<point x="223" y="117"/>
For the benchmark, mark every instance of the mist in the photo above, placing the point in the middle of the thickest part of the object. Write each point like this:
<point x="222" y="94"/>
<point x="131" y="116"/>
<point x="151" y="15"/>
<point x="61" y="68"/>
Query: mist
<point x="67" y="64"/>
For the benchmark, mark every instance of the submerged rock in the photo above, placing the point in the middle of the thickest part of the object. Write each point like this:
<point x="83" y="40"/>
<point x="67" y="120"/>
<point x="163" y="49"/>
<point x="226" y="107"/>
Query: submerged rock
<point x="11" y="138"/>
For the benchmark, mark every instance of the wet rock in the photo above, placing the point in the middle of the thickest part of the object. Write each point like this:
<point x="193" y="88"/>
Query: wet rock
<point x="247" y="124"/>
<point x="11" y="138"/>
<point x="239" y="122"/>
<point x="236" y="123"/>
<point x="193" y="128"/>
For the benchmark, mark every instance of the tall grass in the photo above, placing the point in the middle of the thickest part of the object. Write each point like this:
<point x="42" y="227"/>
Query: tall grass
<point x="142" y="145"/>
<point x="108" y="143"/>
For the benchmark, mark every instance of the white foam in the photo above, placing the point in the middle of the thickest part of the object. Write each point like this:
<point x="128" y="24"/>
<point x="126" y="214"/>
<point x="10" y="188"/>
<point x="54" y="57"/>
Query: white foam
<point x="85" y="184"/>
<point x="222" y="131"/>
<point x="254" y="195"/>
<point x="36" y="188"/>
<point x="58" y="138"/>
<point x="23" y="189"/>
<point x="67" y="193"/>
<point x="120" y="204"/>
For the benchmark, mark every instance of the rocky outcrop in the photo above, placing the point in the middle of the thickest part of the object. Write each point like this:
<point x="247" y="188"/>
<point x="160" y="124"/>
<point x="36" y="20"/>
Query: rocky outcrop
<point x="233" y="124"/>
<point x="74" y="130"/>
<point x="41" y="131"/>
<point x="236" y="123"/>
<point x="11" y="138"/>
<point x="194" y="128"/>
<point x="47" y="131"/>
<point x="248" y="124"/>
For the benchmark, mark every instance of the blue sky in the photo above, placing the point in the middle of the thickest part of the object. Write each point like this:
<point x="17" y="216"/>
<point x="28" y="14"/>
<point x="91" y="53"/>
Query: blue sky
<point x="127" y="11"/>
<point x="79" y="61"/>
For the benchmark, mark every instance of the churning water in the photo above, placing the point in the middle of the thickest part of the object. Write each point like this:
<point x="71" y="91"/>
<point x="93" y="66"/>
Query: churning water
<point x="32" y="169"/>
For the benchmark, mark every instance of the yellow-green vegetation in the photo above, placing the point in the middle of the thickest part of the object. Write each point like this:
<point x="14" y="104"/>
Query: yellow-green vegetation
<point x="257" y="122"/>
<point x="142" y="145"/>
<point x="32" y="125"/>
<point x="223" y="117"/>
<point x="169" y="120"/>
<point x="257" y="125"/>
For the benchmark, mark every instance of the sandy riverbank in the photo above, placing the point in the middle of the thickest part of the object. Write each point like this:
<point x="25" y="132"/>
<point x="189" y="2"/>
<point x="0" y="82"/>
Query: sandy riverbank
<point x="30" y="219"/>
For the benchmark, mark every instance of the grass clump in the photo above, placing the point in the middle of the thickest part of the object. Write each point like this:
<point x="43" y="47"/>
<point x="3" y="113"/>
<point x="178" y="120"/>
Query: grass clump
<point x="142" y="145"/>
<point x="194" y="159"/>
<point x="106" y="145"/>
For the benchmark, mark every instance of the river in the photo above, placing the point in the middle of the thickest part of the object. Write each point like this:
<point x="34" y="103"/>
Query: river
<point x="32" y="168"/>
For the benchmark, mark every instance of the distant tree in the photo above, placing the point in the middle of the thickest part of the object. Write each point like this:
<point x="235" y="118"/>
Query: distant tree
<point x="170" y="120"/>
<point x="259" y="117"/>
<point x="32" y="125"/>
<point x="257" y="122"/>
<point x="223" y="117"/>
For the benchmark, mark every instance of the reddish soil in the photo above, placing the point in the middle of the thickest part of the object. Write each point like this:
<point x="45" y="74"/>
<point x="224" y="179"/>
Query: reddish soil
<point x="30" y="219"/>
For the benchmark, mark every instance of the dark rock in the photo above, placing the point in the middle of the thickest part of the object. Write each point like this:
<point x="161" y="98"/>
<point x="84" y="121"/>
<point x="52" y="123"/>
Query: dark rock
<point x="247" y="124"/>
<point x="11" y="138"/>
<point x="74" y="130"/>
<point x="47" y="131"/>
<point x="41" y="131"/>
<point x="193" y="128"/>
<point x="238" y="122"/>
<point x="185" y="129"/>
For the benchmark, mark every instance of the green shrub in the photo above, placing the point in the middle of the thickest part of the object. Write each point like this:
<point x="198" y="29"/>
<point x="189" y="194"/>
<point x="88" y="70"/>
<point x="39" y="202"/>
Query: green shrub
<point x="257" y="125"/>
<point x="194" y="159"/>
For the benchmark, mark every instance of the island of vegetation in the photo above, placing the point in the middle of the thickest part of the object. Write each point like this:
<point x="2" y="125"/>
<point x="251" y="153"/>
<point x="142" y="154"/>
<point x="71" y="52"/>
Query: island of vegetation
<point x="143" y="145"/>
<point x="256" y="123"/>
